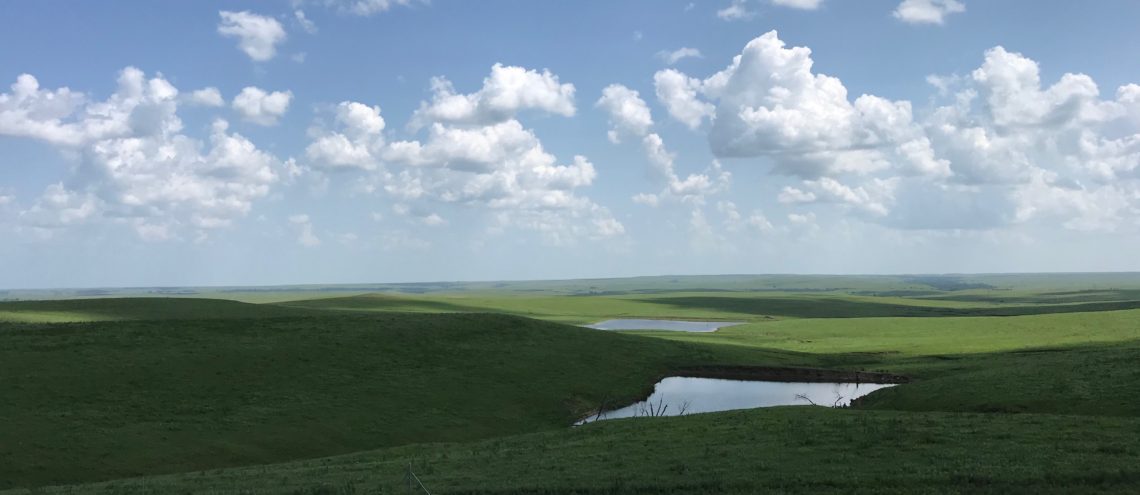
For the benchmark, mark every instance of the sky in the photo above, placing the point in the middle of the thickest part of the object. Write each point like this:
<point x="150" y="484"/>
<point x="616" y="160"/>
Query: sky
<point x="350" y="141"/>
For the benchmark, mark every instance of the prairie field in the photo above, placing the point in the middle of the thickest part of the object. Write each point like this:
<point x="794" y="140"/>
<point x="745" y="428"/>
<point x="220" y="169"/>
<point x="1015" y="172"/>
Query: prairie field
<point x="1021" y="388"/>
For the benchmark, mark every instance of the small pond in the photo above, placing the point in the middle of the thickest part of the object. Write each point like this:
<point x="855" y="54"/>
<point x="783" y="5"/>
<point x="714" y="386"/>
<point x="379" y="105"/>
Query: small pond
<point x="683" y="395"/>
<point x="673" y="325"/>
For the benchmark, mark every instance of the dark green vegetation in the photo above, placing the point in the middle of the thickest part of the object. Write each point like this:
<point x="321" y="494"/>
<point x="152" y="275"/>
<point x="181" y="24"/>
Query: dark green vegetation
<point x="103" y="400"/>
<point x="1022" y="387"/>
<point x="118" y="309"/>
<point x="779" y="450"/>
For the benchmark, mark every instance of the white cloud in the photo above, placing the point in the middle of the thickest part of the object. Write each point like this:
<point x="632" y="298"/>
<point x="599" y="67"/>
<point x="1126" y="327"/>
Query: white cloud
<point x="65" y="117"/>
<point x="256" y="105"/>
<point x="134" y="165"/>
<point x="694" y="188"/>
<point x="357" y="144"/>
<point x="304" y="227"/>
<point x="366" y="7"/>
<point x="630" y="115"/>
<point x="258" y="36"/>
<point x="1011" y="86"/>
<point x="875" y="197"/>
<point x="769" y="103"/>
<point x="678" y="93"/>
<point x="759" y="222"/>
<point x="59" y="207"/>
<point x="1028" y="153"/>
<point x="799" y="4"/>
<point x="507" y="91"/>
<point x="207" y="97"/>
<point x="499" y="165"/>
<point x="927" y="11"/>
<point x="306" y="24"/>
<point x="1102" y="208"/>
<point x="627" y="111"/>
<point x="434" y="220"/>
<point x="679" y="54"/>
<point x="736" y="11"/>
<point x="795" y="195"/>
<point x="476" y="154"/>
<point x="1031" y="152"/>
<point x="802" y="218"/>
<point x="419" y="215"/>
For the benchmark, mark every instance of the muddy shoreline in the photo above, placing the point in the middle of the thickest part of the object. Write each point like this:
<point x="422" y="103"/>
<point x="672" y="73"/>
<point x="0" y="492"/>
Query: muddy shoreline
<point x="777" y="374"/>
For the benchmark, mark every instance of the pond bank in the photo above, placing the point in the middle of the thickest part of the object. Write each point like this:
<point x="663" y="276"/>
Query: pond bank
<point x="783" y="374"/>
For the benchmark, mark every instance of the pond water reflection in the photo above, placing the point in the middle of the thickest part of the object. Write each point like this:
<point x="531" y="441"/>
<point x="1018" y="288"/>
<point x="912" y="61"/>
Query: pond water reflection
<point x="673" y="325"/>
<point x="678" y="395"/>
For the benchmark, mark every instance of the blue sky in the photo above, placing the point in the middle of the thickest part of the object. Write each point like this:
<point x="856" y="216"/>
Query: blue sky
<point x="328" y="141"/>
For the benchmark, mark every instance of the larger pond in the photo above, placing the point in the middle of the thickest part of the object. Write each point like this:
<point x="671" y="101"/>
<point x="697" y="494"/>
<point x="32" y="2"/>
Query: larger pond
<point x="676" y="395"/>
<point x="673" y="325"/>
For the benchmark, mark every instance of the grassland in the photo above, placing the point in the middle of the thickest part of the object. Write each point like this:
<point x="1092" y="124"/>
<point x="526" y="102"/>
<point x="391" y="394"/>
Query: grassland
<point x="106" y="399"/>
<point x="779" y="450"/>
<point x="1015" y="390"/>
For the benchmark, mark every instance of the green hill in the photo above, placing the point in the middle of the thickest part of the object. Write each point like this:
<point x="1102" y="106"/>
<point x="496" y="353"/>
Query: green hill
<point x="137" y="308"/>
<point x="107" y="399"/>
<point x="781" y="450"/>
<point x="116" y="388"/>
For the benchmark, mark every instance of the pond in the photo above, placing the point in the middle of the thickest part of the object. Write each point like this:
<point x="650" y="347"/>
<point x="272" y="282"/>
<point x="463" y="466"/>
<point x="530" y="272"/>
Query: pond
<point x="676" y="395"/>
<point x="672" y="325"/>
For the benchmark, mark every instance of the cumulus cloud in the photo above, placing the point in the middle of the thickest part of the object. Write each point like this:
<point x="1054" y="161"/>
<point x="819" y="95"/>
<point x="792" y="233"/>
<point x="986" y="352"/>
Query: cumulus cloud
<point x="261" y="107"/>
<point x="65" y="117"/>
<point x="419" y="215"/>
<point x="736" y="11"/>
<point x="770" y="103"/>
<point x="365" y="7"/>
<point x="799" y="4"/>
<point x="258" y="36"/>
<point x="678" y="93"/>
<point x="476" y="154"/>
<point x="304" y="227"/>
<point x="694" y="188"/>
<point x="29" y="111"/>
<point x="499" y="165"/>
<point x="135" y="166"/>
<point x="1057" y="153"/>
<point x="207" y="97"/>
<point x="357" y="143"/>
<point x="629" y="115"/>
<point x="875" y="197"/>
<point x="302" y="20"/>
<point x="927" y="11"/>
<point x="505" y="92"/>
<point x="627" y="111"/>
<point x="679" y="54"/>
<point x="734" y="221"/>
<point x="999" y="147"/>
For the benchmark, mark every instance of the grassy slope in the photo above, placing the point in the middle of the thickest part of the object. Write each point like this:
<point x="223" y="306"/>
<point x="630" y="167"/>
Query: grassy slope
<point x="781" y="450"/>
<point x="99" y="400"/>
<point x="927" y="336"/>
<point x="1041" y="363"/>
<point x="1077" y="363"/>
<point x="137" y="308"/>
<point x="742" y="306"/>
